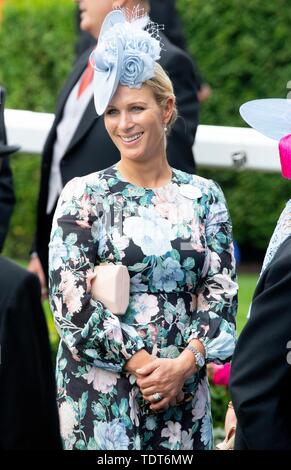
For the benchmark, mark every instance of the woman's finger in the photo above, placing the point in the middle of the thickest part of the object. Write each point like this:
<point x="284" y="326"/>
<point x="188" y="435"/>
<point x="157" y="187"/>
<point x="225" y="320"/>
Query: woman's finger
<point x="160" y="405"/>
<point x="148" y="392"/>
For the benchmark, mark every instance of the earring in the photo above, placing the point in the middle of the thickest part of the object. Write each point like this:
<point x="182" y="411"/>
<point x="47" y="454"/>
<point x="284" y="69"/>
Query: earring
<point x="165" y="129"/>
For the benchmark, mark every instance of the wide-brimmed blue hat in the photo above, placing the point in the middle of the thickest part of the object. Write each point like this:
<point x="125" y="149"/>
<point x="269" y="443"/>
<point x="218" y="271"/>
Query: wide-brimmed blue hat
<point x="126" y="53"/>
<point x="272" y="118"/>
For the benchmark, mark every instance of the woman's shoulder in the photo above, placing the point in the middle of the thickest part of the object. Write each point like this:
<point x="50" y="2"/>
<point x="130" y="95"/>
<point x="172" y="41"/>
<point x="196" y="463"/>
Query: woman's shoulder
<point x="205" y="185"/>
<point x="96" y="181"/>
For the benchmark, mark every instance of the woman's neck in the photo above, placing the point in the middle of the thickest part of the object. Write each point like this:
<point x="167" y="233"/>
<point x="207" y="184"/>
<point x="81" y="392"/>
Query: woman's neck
<point x="150" y="174"/>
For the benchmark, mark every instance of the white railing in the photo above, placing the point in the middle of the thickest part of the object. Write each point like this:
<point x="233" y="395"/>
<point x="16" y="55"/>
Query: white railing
<point x="215" y="146"/>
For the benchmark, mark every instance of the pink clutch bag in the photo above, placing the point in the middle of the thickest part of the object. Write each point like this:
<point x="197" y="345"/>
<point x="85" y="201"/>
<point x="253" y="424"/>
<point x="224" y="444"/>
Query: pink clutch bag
<point x="111" y="286"/>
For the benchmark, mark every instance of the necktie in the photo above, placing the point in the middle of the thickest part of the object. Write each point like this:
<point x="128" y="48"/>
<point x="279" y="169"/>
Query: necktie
<point x="86" y="79"/>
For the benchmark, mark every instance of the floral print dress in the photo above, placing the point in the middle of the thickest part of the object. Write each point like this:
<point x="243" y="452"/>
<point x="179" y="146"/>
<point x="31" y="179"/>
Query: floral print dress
<point x="176" y="242"/>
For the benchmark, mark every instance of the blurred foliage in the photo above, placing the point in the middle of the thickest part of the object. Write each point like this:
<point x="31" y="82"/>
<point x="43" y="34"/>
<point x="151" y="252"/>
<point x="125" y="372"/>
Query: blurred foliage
<point x="255" y="201"/>
<point x="242" y="49"/>
<point x="26" y="170"/>
<point x="219" y="399"/>
<point x="37" y="53"/>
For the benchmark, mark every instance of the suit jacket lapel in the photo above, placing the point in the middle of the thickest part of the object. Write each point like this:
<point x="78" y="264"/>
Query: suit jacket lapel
<point x="74" y="77"/>
<point x="87" y="120"/>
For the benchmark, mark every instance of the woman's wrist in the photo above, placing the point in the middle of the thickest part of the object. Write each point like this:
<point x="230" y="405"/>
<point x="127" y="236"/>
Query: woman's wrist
<point x="137" y="361"/>
<point x="187" y="359"/>
<point x="186" y="363"/>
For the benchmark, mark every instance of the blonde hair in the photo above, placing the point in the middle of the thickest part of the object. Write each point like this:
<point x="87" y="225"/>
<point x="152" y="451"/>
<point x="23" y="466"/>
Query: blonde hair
<point x="162" y="88"/>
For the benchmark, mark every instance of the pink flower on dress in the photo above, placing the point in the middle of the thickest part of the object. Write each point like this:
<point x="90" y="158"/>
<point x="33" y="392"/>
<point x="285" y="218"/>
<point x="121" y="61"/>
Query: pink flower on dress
<point x="133" y="404"/>
<point x="85" y="209"/>
<point x="199" y="407"/>
<point x="154" y="330"/>
<point x="112" y="329"/>
<point x="173" y="432"/>
<point x="103" y="380"/>
<point x="170" y="204"/>
<point x="83" y="224"/>
<point x="197" y="230"/>
<point x="72" y="295"/>
<point x="147" y="307"/>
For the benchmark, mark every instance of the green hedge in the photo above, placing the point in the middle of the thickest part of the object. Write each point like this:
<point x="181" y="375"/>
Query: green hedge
<point x="37" y="53"/>
<point x="242" y="49"/>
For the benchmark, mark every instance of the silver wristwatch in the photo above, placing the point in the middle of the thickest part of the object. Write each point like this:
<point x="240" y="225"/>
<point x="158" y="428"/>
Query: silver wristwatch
<point x="199" y="358"/>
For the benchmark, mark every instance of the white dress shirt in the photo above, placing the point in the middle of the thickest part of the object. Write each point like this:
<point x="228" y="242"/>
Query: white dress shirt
<point x="72" y="115"/>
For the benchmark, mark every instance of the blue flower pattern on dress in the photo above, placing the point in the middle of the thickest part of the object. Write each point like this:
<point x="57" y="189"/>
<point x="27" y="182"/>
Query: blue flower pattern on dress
<point x="176" y="242"/>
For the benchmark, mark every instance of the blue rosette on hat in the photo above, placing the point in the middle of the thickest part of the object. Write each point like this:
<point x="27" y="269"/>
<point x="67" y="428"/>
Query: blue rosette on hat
<point x="126" y="54"/>
<point x="272" y="118"/>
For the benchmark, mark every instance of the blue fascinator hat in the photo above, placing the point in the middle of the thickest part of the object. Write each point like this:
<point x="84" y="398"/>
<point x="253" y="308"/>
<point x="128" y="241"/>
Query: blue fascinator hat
<point x="126" y="54"/>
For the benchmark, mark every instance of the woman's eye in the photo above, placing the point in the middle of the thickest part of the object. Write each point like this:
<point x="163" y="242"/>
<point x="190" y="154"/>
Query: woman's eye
<point x="110" y="112"/>
<point x="138" y="108"/>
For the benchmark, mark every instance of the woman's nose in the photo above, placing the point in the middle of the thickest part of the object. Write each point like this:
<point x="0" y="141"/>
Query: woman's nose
<point x="126" y="123"/>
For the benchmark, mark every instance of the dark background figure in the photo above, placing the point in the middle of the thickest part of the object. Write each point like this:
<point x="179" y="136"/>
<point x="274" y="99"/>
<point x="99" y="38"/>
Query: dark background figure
<point x="28" y="411"/>
<point x="89" y="148"/>
<point x="7" y="198"/>
<point x="260" y="379"/>
<point x="162" y="12"/>
<point x="165" y="12"/>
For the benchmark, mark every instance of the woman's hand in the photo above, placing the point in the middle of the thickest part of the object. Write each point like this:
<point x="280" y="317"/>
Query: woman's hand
<point x="164" y="377"/>
<point x="137" y="361"/>
<point x="230" y="421"/>
<point x="34" y="266"/>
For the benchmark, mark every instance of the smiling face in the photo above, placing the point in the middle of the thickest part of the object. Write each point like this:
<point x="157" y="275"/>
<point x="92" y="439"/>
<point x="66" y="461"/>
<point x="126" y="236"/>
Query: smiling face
<point x="135" y="123"/>
<point x="92" y="13"/>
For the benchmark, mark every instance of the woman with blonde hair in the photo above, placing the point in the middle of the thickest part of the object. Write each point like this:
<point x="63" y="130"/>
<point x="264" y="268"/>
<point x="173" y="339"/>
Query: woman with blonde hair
<point x="138" y="381"/>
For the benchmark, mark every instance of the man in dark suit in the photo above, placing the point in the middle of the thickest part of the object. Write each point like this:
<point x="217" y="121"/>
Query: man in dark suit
<point x="165" y="12"/>
<point x="78" y="143"/>
<point x="260" y="380"/>
<point x="7" y="199"/>
<point x="28" y="410"/>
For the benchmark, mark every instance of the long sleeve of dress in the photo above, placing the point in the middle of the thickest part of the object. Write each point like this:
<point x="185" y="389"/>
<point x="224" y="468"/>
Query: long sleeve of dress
<point x="213" y="323"/>
<point x="90" y="331"/>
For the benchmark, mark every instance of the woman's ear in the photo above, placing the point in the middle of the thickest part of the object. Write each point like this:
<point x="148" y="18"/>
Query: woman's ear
<point x="168" y="109"/>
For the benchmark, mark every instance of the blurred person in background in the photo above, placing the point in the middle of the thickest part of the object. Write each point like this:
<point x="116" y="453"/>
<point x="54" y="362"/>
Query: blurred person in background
<point x="7" y="198"/>
<point x="260" y="378"/>
<point x="78" y="143"/>
<point x="28" y="410"/>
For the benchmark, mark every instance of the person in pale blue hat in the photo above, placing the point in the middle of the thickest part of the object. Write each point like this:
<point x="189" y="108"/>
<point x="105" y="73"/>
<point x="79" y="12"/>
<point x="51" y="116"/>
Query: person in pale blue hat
<point x="260" y="378"/>
<point x="138" y="381"/>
